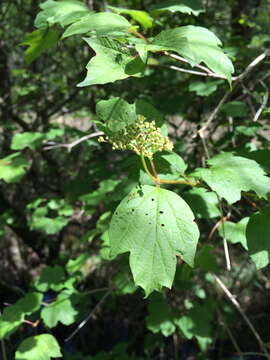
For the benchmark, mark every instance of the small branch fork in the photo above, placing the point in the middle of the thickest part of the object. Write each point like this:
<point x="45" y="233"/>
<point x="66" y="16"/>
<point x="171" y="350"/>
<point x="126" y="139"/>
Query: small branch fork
<point x="159" y="181"/>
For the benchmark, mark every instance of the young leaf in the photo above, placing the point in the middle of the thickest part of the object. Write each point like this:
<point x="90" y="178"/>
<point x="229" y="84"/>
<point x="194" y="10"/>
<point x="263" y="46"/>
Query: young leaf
<point x="228" y="175"/>
<point x="142" y="17"/>
<point x="235" y="232"/>
<point x="40" y="347"/>
<point x="61" y="310"/>
<point x="258" y="230"/>
<point x="196" y="44"/>
<point x="154" y="225"/>
<point x="101" y="23"/>
<point x="116" y="113"/>
<point x="12" y="167"/>
<point x="113" y="61"/>
<point x="13" y="315"/>
<point x="194" y="7"/>
<point x="60" y="12"/>
<point x="38" y="42"/>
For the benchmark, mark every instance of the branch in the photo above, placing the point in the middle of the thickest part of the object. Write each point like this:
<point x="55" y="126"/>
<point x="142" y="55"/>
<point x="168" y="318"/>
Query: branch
<point x="264" y="102"/>
<point x="74" y="143"/>
<point x="232" y="298"/>
<point x="237" y="80"/>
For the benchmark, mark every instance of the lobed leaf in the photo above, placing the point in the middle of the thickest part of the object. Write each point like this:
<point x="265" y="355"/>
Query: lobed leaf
<point x="196" y="44"/>
<point x="228" y="175"/>
<point x="40" y="347"/>
<point x="154" y="225"/>
<point x="113" y="61"/>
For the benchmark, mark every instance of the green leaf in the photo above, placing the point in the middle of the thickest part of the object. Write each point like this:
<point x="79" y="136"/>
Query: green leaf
<point x="204" y="88"/>
<point x="52" y="277"/>
<point x="38" y="42"/>
<point x="230" y="174"/>
<point x="142" y="17"/>
<point x="196" y="44"/>
<point x="257" y="232"/>
<point x="103" y="23"/>
<point x="262" y="157"/>
<point x="235" y="232"/>
<point x="194" y="7"/>
<point x="113" y="61"/>
<point x="13" y="315"/>
<point x="235" y="109"/>
<point x="203" y="203"/>
<point x="62" y="12"/>
<point x="198" y="323"/>
<point x="27" y="139"/>
<point x="116" y="113"/>
<point x="74" y="265"/>
<point x="12" y="167"/>
<point x="206" y="259"/>
<point x="40" y="347"/>
<point x="61" y="310"/>
<point x="154" y="225"/>
<point x="160" y="318"/>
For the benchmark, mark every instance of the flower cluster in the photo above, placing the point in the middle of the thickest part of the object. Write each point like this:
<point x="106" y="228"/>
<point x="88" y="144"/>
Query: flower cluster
<point x="142" y="137"/>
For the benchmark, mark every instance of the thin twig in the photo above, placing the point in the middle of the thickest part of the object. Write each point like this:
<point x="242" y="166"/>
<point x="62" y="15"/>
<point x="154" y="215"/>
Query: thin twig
<point x="264" y="102"/>
<point x="74" y="143"/>
<point x="81" y="325"/>
<point x="232" y="298"/>
<point x="237" y="80"/>
<point x="233" y="340"/>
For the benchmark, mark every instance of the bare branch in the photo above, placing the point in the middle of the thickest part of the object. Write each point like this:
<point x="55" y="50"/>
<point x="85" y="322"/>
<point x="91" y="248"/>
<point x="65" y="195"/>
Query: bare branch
<point x="74" y="143"/>
<point x="233" y="300"/>
<point x="264" y="102"/>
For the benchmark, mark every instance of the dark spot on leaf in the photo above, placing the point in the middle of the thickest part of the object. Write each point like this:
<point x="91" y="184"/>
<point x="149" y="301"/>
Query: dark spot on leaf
<point x="152" y="199"/>
<point x="150" y="223"/>
<point x="161" y="212"/>
<point x="133" y="210"/>
<point x="162" y="225"/>
<point x="116" y="213"/>
<point x="146" y="214"/>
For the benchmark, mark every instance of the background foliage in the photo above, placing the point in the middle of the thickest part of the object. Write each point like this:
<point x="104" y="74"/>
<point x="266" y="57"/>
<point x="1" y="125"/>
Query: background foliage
<point x="59" y="186"/>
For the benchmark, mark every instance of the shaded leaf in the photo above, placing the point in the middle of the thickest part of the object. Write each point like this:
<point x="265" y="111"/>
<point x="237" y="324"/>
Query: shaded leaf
<point x="160" y="318"/>
<point x="52" y="277"/>
<point x="203" y="203"/>
<point x="258" y="238"/>
<point x="38" y="42"/>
